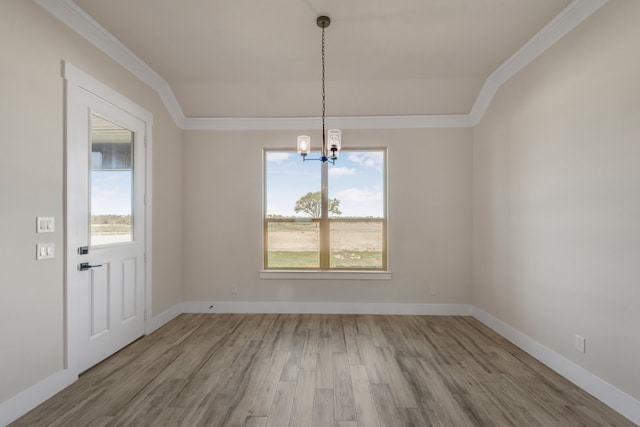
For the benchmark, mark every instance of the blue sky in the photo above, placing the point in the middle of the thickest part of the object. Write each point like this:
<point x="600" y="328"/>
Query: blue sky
<point x="356" y="180"/>
<point x="111" y="192"/>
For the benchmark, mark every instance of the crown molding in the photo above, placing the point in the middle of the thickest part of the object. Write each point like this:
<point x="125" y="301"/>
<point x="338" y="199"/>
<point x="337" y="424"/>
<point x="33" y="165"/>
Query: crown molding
<point x="558" y="27"/>
<point x="309" y="123"/>
<point x="78" y="20"/>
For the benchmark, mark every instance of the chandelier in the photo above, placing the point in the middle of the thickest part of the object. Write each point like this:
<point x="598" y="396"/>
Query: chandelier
<point x="332" y="139"/>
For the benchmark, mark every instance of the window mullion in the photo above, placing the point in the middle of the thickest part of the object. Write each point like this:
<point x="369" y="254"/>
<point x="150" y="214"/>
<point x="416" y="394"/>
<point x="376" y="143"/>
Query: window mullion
<point x="324" y="217"/>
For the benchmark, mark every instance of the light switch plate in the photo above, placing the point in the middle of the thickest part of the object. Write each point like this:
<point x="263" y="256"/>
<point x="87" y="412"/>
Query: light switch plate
<point x="45" y="224"/>
<point x="45" y="251"/>
<point x="579" y="343"/>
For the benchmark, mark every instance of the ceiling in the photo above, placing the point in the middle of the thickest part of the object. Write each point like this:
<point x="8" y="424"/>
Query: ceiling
<point x="256" y="58"/>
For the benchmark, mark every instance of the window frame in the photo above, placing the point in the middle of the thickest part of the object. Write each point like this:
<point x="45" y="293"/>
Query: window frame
<point x="324" y="226"/>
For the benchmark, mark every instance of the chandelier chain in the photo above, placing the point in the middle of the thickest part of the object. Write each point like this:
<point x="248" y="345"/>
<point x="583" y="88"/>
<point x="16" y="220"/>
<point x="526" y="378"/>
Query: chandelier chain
<point x="329" y="153"/>
<point x="324" y="144"/>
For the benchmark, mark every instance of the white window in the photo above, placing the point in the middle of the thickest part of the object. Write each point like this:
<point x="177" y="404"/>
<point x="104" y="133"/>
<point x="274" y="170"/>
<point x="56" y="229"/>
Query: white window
<point x="320" y="216"/>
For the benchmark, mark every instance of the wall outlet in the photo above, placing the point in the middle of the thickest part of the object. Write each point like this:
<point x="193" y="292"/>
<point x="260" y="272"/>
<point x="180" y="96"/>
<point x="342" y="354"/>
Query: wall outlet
<point x="579" y="343"/>
<point x="433" y="290"/>
<point x="234" y="289"/>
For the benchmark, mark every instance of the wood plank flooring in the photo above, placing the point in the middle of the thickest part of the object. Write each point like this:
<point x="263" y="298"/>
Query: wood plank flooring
<point x="297" y="370"/>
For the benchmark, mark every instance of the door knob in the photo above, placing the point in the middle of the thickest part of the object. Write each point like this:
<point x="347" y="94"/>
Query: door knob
<point x="84" y="266"/>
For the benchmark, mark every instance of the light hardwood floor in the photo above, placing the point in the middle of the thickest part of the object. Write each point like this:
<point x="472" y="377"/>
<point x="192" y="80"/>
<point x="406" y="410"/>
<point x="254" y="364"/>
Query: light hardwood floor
<point x="321" y="370"/>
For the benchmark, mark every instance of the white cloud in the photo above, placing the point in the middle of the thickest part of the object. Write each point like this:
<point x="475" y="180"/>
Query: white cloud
<point x="275" y="156"/>
<point x="341" y="171"/>
<point x="359" y="195"/>
<point x="368" y="160"/>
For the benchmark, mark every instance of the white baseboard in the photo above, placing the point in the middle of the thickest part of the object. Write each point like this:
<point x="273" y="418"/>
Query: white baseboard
<point x="600" y="389"/>
<point x="326" y="308"/>
<point x="626" y="405"/>
<point x="163" y="318"/>
<point x="17" y="406"/>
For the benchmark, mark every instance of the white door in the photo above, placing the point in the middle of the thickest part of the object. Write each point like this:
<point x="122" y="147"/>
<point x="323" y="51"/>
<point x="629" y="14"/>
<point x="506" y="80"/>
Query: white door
<point x="105" y="228"/>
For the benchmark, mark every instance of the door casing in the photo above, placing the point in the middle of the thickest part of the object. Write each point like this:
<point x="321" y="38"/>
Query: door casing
<point x="77" y="82"/>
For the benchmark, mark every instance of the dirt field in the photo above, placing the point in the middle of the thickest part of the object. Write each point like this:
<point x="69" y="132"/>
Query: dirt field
<point x="345" y="236"/>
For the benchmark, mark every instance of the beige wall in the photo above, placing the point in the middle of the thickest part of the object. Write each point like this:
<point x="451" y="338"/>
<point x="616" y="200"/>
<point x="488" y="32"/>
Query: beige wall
<point x="33" y="44"/>
<point x="552" y="169"/>
<point x="429" y="218"/>
<point x="557" y="198"/>
<point x="348" y="98"/>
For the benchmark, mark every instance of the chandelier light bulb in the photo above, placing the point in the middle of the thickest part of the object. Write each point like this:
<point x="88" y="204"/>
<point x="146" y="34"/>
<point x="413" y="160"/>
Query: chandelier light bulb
<point x="334" y="142"/>
<point x="304" y="145"/>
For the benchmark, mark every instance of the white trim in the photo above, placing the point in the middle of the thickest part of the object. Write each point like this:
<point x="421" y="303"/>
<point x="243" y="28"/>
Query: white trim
<point x="75" y="18"/>
<point x="81" y="79"/>
<point x="326" y="308"/>
<point x="17" y="406"/>
<point x="600" y="389"/>
<point x="308" y="123"/>
<point x="603" y="391"/>
<point x="148" y="207"/>
<point x="23" y="402"/>
<point x="156" y="322"/>
<point x="558" y="27"/>
<point x="78" y="20"/>
<point x="324" y="275"/>
<point x="77" y="81"/>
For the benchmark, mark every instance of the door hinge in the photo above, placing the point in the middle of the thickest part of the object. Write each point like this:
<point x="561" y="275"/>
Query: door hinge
<point x="145" y="257"/>
<point x="145" y="141"/>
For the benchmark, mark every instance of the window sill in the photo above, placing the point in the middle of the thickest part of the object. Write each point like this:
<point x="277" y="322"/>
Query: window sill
<point x="324" y="275"/>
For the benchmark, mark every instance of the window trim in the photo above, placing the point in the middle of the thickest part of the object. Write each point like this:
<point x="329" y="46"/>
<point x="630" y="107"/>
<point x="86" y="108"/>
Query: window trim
<point x="378" y="275"/>
<point x="324" y="222"/>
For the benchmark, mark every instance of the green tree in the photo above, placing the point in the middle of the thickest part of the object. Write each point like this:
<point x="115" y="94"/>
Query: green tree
<point x="311" y="203"/>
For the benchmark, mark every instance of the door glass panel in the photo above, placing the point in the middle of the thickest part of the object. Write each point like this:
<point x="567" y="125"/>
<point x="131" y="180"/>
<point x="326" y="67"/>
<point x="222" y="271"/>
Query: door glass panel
<point x="111" y="177"/>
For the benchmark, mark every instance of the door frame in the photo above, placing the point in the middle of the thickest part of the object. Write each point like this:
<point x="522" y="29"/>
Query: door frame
<point x="76" y="82"/>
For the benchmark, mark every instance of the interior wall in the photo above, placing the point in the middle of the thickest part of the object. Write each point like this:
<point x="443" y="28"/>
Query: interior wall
<point x="33" y="45"/>
<point x="445" y="95"/>
<point x="557" y="198"/>
<point x="555" y="201"/>
<point x="429" y="220"/>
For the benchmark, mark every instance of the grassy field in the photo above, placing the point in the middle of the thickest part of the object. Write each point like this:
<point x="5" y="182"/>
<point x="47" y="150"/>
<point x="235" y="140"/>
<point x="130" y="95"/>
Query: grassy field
<point x="310" y="259"/>
<point x="110" y="228"/>
<point x="354" y="244"/>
